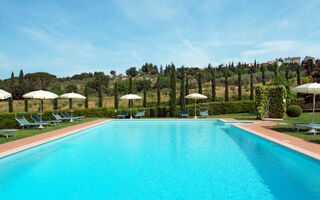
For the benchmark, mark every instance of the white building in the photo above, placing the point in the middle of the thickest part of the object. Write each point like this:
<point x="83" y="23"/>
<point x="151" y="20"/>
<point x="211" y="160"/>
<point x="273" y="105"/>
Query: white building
<point x="292" y="60"/>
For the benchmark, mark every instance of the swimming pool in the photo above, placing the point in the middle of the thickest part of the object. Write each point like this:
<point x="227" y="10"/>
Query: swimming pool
<point x="160" y="159"/>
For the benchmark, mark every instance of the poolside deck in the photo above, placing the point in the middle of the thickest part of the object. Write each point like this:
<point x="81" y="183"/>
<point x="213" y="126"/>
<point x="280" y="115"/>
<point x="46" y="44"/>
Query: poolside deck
<point x="257" y="128"/>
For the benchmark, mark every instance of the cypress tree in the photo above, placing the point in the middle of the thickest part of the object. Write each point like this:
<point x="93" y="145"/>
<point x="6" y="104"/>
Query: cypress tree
<point x="116" y="99"/>
<point x="298" y="74"/>
<point x="182" y="90"/>
<point x="10" y="104"/>
<point x="86" y="93"/>
<point x="263" y="70"/>
<point x="130" y="91"/>
<point x="251" y="83"/>
<point x="172" y="100"/>
<point x="287" y="73"/>
<point x="158" y="91"/>
<point x="144" y="97"/>
<point x="26" y="108"/>
<point x="226" y="93"/>
<point x="199" y="77"/>
<point x="12" y="84"/>
<point x="213" y="84"/>
<point x="55" y="104"/>
<point x="275" y="69"/>
<point x="70" y="104"/>
<point x="187" y="89"/>
<point x="21" y="77"/>
<point x="100" y="96"/>
<point x="239" y="82"/>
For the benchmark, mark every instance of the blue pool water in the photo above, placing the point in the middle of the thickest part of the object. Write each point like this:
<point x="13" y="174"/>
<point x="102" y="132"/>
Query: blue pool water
<point x="160" y="160"/>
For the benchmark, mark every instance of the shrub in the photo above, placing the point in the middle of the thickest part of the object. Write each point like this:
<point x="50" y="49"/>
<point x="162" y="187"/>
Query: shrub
<point x="215" y="108"/>
<point x="294" y="111"/>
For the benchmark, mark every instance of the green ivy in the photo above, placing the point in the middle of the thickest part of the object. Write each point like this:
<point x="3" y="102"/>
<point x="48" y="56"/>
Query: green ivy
<point x="269" y="101"/>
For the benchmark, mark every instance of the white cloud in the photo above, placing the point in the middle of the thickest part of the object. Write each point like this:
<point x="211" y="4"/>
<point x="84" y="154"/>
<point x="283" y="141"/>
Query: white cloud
<point x="276" y="46"/>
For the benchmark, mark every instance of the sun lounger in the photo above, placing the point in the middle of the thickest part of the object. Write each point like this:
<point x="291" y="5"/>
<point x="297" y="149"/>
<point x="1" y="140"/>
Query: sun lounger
<point x="314" y="128"/>
<point x="38" y="120"/>
<point x="204" y="113"/>
<point x="6" y="131"/>
<point x="184" y="112"/>
<point x="23" y="122"/>
<point x="123" y="114"/>
<point x="297" y="126"/>
<point x="58" y="117"/>
<point x="140" y="114"/>
<point x="74" y="117"/>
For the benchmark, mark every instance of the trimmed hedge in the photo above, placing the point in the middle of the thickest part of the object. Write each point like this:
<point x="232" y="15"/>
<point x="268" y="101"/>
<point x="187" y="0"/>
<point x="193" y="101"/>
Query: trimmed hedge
<point x="269" y="101"/>
<point x="215" y="108"/>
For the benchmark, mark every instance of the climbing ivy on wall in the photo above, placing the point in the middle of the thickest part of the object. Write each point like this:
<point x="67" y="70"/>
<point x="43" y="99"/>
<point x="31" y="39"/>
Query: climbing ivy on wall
<point x="269" y="101"/>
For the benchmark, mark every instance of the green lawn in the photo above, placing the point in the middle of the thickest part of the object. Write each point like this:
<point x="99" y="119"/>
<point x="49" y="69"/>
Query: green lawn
<point x="34" y="131"/>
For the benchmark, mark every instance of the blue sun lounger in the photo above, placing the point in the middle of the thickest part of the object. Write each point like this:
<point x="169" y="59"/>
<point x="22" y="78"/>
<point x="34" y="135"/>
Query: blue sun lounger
<point x="140" y="114"/>
<point x="73" y="117"/>
<point x="297" y="126"/>
<point x="6" y="131"/>
<point x="38" y="120"/>
<point x="184" y="112"/>
<point x="23" y="122"/>
<point x="123" y="114"/>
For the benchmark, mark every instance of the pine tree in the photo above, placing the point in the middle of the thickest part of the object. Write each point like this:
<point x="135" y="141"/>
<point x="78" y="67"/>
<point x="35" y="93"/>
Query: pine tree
<point x="172" y="100"/>
<point x="213" y="84"/>
<point x="100" y="101"/>
<point x="144" y="97"/>
<point x="26" y="107"/>
<point x="263" y="71"/>
<point x="116" y="98"/>
<point x="158" y="91"/>
<point x="86" y="93"/>
<point x="298" y="74"/>
<point x="251" y="83"/>
<point x="182" y="90"/>
<point x="239" y="82"/>
<point x="199" y="77"/>
<point x="287" y="73"/>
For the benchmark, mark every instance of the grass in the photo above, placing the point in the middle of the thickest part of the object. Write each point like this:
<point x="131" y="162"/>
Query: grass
<point x="303" y="132"/>
<point x="35" y="131"/>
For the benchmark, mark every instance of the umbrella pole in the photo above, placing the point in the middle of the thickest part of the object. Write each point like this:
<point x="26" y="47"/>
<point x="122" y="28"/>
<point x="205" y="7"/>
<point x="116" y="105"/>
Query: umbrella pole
<point x="41" y="126"/>
<point x="195" y="109"/>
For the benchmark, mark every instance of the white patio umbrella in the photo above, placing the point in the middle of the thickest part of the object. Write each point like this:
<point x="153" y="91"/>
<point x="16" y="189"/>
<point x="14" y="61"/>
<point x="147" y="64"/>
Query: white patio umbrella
<point x="310" y="88"/>
<point x="195" y="96"/>
<point x="4" y="95"/>
<point x="72" y="96"/>
<point x="42" y="95"/>
<point x="130" y="97"/>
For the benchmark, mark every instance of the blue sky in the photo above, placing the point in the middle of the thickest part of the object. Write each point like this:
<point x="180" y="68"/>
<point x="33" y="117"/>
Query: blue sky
<point x="74" y="36"/>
